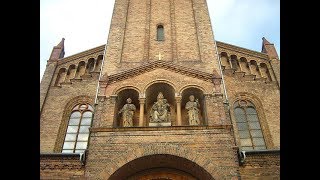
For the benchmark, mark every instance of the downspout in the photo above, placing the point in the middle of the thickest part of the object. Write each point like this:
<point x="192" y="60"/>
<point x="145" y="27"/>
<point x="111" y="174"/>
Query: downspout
<point x="227" y="101"/>
<point x="224" y="86"/>
<point x="101" y="68"/>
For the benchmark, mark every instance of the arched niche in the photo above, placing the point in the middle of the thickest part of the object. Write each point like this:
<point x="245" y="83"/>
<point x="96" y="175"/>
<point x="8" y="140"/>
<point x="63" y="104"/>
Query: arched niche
<point x="235" y="63"/>
<point x="151" y="97"/>
<point x="61" y="76"/>
<point x="255" y="68"/>
<point x="121" y="100"/>
<point x="98" y="63"/>
<point x="198" y="94"/>
<point x="265" y="72"/>
<point x="90" y="66"/>
<point x="71" y="72"/>
<point x="244" y="65"/>
<point x="80" y="70"/>
<point x="224" y="60"/>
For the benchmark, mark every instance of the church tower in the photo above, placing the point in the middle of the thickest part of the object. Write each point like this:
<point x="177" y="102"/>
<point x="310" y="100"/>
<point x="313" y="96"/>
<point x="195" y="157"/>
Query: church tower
<point x="153" y="102"/>
<point x="162" y="55"/>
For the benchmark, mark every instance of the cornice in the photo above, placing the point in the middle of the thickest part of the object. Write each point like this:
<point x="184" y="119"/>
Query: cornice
<point x="164" y="65"/>
<point x="162" y="128"/>
<point x="55" y="161"/>
<point x="242" y="50"/>
<point x="82" y="54"/>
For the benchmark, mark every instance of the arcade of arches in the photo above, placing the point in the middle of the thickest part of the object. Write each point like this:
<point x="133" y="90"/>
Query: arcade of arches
<point x="171" y="112"/>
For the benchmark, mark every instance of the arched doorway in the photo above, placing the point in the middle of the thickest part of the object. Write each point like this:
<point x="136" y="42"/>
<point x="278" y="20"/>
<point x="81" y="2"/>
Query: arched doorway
<point x="160" y="167"/>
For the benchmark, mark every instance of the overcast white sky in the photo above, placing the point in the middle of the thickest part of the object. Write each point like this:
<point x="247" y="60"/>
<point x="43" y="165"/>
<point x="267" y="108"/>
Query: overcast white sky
<point x="85" y="24"/>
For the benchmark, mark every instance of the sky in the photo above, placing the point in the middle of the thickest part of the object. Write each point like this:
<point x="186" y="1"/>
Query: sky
<point x="85" y="24"/>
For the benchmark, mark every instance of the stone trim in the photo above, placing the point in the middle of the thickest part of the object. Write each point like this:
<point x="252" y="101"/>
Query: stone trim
<point x="165" y="65"/>
<point x="163" y="128"/>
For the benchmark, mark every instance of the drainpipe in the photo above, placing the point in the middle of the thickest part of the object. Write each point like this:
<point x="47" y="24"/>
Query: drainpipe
<point x="242" y="154"/>
<point x="101" y="68"/>
<point x="224" y="86"/>
<point x="226" y="96"/>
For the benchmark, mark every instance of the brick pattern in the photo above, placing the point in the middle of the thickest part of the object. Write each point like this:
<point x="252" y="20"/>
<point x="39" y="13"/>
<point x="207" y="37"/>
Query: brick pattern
<point x="61" y="167"/>
<point x="261" y="167"/>
<point x="267" y="99"/>
<point x="187" y="28"/>
<point x="46" y="81"/>
<point x="211" y="149"/>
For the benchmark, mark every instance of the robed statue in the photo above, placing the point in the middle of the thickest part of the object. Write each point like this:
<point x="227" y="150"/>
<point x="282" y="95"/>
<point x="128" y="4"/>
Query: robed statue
<point x="160" y="110"/>
<point x="193" y="110"/>
<point x="127" y="113"/>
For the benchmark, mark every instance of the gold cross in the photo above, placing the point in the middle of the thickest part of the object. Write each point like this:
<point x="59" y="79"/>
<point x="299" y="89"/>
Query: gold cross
<point x="159" y="56"/>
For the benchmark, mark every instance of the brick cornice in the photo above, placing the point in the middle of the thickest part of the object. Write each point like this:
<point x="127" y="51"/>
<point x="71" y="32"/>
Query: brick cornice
<point x="162" y="128"/>
<point x="56" y="161"/>
<point x="164" y="65"/>
<point x="261" y="158"/>
<point x="82" y="54"/>
<point x="241" y="50"/>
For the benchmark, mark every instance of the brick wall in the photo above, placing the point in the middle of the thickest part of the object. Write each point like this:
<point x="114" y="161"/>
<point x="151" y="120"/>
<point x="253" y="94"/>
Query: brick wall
<point x="212" y="149"/>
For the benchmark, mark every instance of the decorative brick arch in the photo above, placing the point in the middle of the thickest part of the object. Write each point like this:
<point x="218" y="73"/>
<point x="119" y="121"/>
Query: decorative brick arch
<point x="165" y="81"/>
<point x="204" y="90"/>
<point x="65" y="117"/>
<point x="170" y="150"/>
<point x="121" y="88"/>
<point x="260" y="111"/>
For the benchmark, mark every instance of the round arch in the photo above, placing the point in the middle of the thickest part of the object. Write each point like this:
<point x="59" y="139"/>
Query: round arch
<point x="160" y="165"/>
<point x="82" y="99"/>
<point x="151" y="93"/>
<point x="122" y="95"/>
<point x="159" y="81"/>
<point x="121" y="88"/>
<point x="260" y="111"/>
<point x="198" y="94"/>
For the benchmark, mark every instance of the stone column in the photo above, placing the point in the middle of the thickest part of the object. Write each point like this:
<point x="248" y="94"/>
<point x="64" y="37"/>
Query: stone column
<point x="250" y="68"/>
<point x="141" y="117"/>
<point x="178" y="100"/>
<point x="229" y="61"/>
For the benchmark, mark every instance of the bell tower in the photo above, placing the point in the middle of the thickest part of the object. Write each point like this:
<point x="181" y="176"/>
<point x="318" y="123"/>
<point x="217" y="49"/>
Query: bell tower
<point x="177" y="31"/>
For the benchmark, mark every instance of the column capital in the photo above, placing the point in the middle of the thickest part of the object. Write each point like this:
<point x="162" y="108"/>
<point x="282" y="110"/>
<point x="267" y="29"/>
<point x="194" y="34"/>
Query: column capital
<point x="142" y="100"/>
<point x="178" y="99"/>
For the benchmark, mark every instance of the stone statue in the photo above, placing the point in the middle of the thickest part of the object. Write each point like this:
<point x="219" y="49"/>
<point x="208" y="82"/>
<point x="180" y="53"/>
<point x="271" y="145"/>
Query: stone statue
<point x="160" y="111"/>
<point x="193" y="111"/>
<point x="128" y="113"/>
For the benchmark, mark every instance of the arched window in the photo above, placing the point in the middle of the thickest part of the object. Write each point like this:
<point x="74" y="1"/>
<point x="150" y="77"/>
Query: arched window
<point x="160" y="33"/>
<point x="77" y="134"/>
<point x="251" y="137"/>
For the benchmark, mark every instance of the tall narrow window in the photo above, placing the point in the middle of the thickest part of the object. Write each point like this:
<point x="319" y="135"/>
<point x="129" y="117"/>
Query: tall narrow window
<point x="77" y="135"/>
<point x="160" y="33"/>
<point x="251" y="137"/>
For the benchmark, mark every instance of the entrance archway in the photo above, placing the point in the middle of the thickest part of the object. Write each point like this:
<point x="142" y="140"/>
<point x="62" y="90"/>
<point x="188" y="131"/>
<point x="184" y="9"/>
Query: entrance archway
<point x="161" y="166"/>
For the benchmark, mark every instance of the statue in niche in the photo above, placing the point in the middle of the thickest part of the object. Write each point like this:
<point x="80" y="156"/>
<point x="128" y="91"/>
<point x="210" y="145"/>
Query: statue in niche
<point x="160" y="111"/>
<point x="193" y="110"/>
<point x="127" y="113"/>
